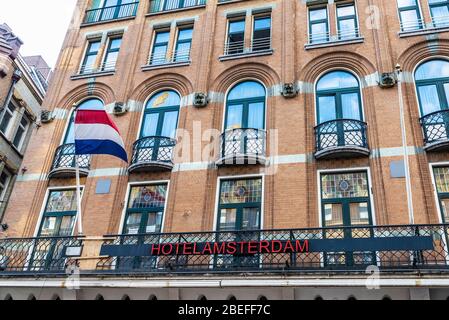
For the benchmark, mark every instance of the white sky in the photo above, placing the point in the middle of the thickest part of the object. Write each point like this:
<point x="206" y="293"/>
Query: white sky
<point x="40" y="24"/>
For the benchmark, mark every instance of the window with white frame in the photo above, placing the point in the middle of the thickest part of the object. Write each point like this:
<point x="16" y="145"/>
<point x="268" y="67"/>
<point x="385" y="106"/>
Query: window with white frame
<point x="21" y="132"/>
<point x="8" y="115"/>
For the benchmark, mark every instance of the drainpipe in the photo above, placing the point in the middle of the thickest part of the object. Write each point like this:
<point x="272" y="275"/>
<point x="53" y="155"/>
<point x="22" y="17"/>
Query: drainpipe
<point x="405" y="147"/>
<point x="17" y="75"/>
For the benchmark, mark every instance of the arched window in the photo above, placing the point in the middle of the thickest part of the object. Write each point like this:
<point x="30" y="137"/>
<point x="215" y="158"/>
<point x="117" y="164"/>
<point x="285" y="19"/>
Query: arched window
<point x="161" y="115"/>
<point x="245" y="106"/>
<point x="432" y="84"/>
<point x="92" y="104"/>
<point x="338" y="97"/>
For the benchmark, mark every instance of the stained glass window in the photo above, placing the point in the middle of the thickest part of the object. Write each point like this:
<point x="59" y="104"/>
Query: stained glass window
<point x="61" y="201"/>
<point x="241" y="191"/>
<point x="344" y="185"/>
<point x="152" y="196"/>
<point x="442" y="179"/>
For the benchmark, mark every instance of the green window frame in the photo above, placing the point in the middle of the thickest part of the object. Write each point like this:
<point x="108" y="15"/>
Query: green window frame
<point x="318" y="37"/>
<point x="111" y="55"/>
<point x="61" y="206"/>
<point x="337" y="94"/>
<point x="183" y="55"/>
<point x="441" y="85"/>
<point x="439" y="11"/>
<point x="407" y="7"/>
<point x="161" y="111"/>
<point x="262" y="33"/>
<point x="243" y="199"/>
<point x="145" y="203"/>
<point x="93" y="48"/>
<point x="245" y="104"/>
<point x="161" y="40"/>
<point x="341" y="19"/>
<point x="346" y="196"/>
<point x="441" y="176"/>
<point x="235" y="39"/>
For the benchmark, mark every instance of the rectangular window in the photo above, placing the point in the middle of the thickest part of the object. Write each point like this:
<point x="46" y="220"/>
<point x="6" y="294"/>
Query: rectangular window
<point x="21" y="132"/>
<point x="318" y="25"/>
<point x="235" y="41"/>
<point x="344" y="185"/>
<point x="145" y="210"/>
<point x="183" y="45"/>
<point x="110" y="58"/>
<point x="5" y="178"/>
<point x="90" y="58"/>
<point x="8" y="114"/>
<point x="60" y="214"/>
<point x="262" y="33"/>
<point x="160" y="47"/>
<point x="240" y="205"/>
<point x="441" y="175"/>
<point x="439" y="9"/>
<point x="409" y="15"/>
<point x="347" y="22"/>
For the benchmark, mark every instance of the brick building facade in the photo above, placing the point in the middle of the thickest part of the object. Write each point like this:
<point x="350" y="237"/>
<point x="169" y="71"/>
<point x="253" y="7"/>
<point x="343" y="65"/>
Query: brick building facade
<point x="290" y="115"/>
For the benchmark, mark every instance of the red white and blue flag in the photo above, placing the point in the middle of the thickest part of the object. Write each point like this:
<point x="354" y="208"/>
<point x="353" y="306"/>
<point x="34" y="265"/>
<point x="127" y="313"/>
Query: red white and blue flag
<point x="96" y="133"/>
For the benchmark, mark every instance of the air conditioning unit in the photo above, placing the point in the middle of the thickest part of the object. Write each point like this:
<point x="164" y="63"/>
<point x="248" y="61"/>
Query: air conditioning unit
<point x="388" y="80"/>
<point x="289" y="90"/>
<point x="200" y="100"/>
<point x="119" y="108"/>
<point x="47" y="116"/>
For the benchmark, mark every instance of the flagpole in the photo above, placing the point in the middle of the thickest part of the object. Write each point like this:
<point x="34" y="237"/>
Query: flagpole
<point x="78" y="197"/>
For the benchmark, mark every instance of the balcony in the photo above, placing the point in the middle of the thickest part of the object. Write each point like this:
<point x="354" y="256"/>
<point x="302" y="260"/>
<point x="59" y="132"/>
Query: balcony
<point x="158" y="6"/>
<point x="111" y="13"/>
<point x="48" y="255"/>
<point x="152" y="154"/>
<point x="176" y="59"/>
<point x="318" y="40"/>
<point x="343" y="138"/>
<point x="418" y="249"/>
<point x="242" y="147"/>
<point x="64" y="165"/>
<point x="237" y="49"/>
<point x="436" y="131"/>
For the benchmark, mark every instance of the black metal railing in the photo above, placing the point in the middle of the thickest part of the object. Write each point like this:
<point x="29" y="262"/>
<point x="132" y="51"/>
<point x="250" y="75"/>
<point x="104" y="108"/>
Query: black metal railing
<point x="65" y="158"/>
<point x="390" y="248"/>
<point x="153" y="150"/>
<point x="37" y="255"/>
<point x="237" y="143"/>
<point x="436" y="127"/>
<point x="111" y="13"/>
<point x="341" y="133"/>
<point x="168" y="5"/>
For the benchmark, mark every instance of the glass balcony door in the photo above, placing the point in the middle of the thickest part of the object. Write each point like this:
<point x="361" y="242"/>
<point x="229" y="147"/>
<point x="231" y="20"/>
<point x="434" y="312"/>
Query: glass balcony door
<point x="345" y="203"/>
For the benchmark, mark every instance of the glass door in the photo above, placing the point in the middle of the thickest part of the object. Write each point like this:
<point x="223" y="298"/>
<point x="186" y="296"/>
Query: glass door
<point x="346" y="204"/>
<point x="143" y="222"/>
<point x="239" y="219"/>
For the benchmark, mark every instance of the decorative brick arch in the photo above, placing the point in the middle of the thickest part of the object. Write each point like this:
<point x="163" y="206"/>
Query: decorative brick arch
<point x="94" y="90"/>
<point x="159" y="82"/>
<point x="256" y="71"/>
<point x="335" y="60"/>
<point x="421" y="51"/>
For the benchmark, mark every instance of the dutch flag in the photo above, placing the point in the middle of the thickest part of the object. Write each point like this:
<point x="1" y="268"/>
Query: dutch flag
<point x="96" y="133"/>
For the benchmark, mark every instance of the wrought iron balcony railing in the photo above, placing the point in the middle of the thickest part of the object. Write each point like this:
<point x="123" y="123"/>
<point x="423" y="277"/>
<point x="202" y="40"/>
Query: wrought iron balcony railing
<point x="238" y="47"/>
<point x="342" y="35"/>
<point x="162" y="58"/>
<point x="38" y="255"/>
<point x="151" y="153"/>
<point x="64" y="163"/>
<point x="243" y="146"/>
<point x="111" y="13"/>
<point x="404" y="248"/>
<point x="169" y="5"/>
<point x="391" y="248"/>
<point x="342" y="136"/>
<point x="435" y="127"/>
